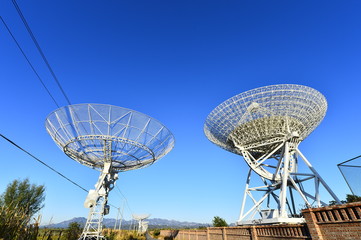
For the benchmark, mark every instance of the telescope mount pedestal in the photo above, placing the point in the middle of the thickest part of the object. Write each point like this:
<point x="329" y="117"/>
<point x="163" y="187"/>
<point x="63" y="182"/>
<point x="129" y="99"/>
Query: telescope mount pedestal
<point x="97" y="202"/>
<point x="285" y="179"/>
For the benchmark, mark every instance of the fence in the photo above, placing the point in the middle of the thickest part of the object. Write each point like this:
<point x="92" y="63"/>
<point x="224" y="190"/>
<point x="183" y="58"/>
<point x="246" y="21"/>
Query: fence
<point x="339" y="222"/>
<point x="262" y="232"/>
<point x="351" y="171"/>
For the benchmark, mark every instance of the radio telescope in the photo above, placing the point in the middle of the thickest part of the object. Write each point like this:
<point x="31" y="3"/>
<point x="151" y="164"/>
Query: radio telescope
<point x="142" y="225"/>
<point x="109" y="139"/>
<point x="265" y="126"/>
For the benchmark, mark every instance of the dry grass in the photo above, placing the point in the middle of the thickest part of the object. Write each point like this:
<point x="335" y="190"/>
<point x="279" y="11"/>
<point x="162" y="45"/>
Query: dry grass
<point x="54" y="234"/>
<point x="122" y="235"/>
<point x="14" y="224"/>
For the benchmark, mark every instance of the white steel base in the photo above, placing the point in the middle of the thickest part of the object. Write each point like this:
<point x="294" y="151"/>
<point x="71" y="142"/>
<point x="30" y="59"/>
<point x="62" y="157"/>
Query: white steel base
<point x="97" y="202"/>
<point x="281" y="191"/>
<point x="94" y="223"/>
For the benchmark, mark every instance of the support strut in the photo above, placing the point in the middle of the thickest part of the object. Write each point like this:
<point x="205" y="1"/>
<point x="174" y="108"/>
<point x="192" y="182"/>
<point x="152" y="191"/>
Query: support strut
<point x="289" y="179"/>
<point x="97" y="200"/>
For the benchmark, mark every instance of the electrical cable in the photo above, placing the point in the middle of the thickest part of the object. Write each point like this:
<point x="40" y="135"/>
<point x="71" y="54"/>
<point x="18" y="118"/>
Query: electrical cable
<point x="126" y="200"/>
<point x="57" y="172"/>
<point x="27" y="59"/>
<point x="40" y="50"/>
<point x="37" y="159"/>
<point x="113" y="206"/>
<point x="43" y="84"/>
<point x="56" y="80"/>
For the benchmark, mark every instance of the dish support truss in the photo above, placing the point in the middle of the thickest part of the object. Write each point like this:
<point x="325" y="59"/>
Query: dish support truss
<point x="142" y="226"/>
<point x="286" y="178"/>
<point x="97" y="202"/>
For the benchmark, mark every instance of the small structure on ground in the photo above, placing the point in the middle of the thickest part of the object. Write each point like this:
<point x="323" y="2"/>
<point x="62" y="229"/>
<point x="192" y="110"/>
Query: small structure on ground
<point x="142" y="225"/>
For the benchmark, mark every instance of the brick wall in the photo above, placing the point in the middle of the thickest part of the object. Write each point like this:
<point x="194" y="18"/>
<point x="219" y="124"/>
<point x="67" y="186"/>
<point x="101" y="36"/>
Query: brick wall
<point x="262" y="232"/>
<point x="340" y="222"/>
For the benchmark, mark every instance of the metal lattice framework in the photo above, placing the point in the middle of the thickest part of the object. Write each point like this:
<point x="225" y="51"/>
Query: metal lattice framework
<point x="110" y="139"/>
<point x="265" y="125"/>
<point x="259" y="119"/>
<point x="94" y="133"/>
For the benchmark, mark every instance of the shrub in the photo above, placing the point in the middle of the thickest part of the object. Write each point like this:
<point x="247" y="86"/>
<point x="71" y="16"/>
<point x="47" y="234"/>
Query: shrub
<point x="349" y="199"/>
<point x="22" y="194"/>
<point x="73" y="232"/>
<point x="20" y="201"/>
<point x="156" y="233"/>
<point x="219" y="222"/>
<point x="352" y="198"/>
<point x="14" y="224"/>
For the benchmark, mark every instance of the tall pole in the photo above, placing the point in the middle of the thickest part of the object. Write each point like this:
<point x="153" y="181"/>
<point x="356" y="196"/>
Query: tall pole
<point x="116" y="221"/>
<point x="121" y="217"/>
<point x="286" y="162"/>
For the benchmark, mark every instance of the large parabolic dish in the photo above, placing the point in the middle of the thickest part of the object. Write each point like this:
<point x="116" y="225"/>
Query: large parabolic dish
<point x="265" y="125"/>
<point x="263" y="114"/>
<point x="257" y="120"/>
<point x="96" y="133"/>
<point x="110" y="139"/>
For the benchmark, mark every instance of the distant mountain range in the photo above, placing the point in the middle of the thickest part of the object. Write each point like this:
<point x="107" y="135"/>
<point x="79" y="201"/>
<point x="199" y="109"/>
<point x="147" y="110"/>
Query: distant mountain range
<point x="153" y="223"/>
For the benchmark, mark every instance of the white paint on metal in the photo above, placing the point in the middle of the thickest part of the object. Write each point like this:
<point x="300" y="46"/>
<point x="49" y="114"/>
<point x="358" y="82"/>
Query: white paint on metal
<point x="265" y="125"/>
<point x="110" y="139"/>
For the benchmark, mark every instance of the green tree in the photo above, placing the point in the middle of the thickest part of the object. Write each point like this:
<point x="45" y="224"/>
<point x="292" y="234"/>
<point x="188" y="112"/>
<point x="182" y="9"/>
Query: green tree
<point x="352" y="198"/>
<point x="349" y="199"/>
<point x="20" y="201"/>
<point x="73" y="232"/>
<point x="219" y="222"/>
<point x="23" y="195"/>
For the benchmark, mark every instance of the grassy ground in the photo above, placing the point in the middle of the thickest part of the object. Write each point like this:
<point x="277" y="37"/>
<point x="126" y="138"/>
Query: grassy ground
<point x="60" y="234"/>
<point x="53" y="234"/>
<point x="122" y="235"/>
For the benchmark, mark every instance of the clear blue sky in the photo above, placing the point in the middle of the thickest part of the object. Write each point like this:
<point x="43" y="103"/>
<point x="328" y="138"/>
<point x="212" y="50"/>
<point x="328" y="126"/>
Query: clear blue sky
<point x="175" y="61"/>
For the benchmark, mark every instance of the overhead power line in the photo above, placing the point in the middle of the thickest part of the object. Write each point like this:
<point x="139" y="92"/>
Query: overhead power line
<point x="42" y="82"/>
<point x="46" y="165"/>
<point x="40" y="49"/>
<point x="27" y="59"/>
<point x="126" y="200"/>
<point x="57" y="172"/>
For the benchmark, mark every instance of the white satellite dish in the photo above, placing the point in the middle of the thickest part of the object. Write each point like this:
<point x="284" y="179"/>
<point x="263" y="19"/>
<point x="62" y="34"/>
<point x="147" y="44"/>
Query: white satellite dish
<point x="142" y="225"/>
<point x="110" y="139"/>
<point x="265" y="125"/>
